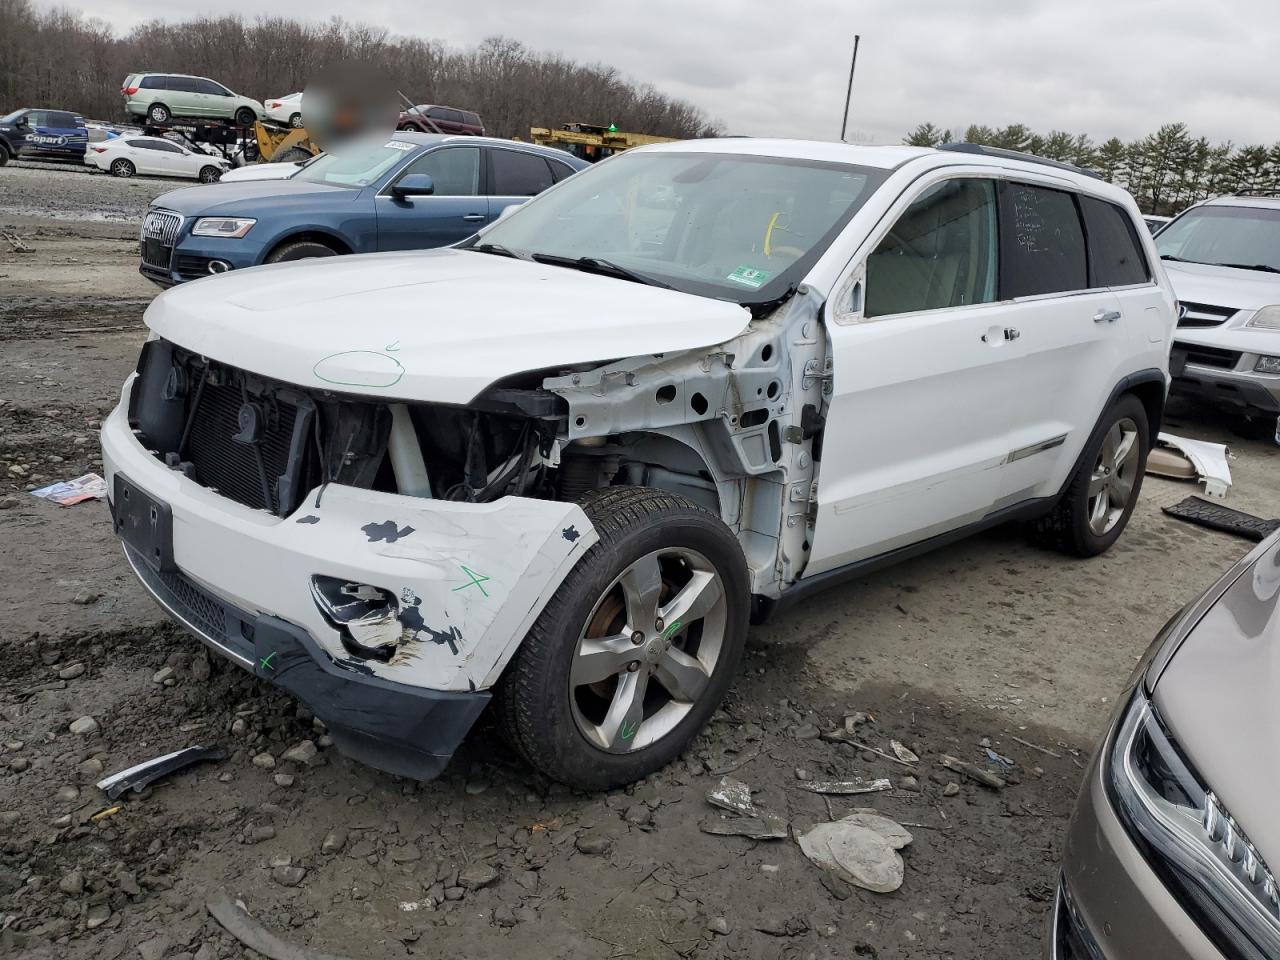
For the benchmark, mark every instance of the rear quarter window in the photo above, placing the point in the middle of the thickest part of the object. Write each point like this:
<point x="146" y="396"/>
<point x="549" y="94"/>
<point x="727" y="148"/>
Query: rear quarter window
<point x="1115" y="252"/>
<point x="1042" y="249"/>
<point x="153" y="83"/>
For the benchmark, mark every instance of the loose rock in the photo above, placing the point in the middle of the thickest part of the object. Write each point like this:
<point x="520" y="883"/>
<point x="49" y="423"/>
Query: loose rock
<point x="595" y="844"/>
<point x="84" y="726"/>
<point x="288" y="876"/>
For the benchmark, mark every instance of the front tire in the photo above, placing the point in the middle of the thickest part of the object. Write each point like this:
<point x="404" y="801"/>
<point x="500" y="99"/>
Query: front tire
<point x="4" y="154"/>
<point x="210" y="174"/>
<point x="245" y="117"/>
<point x="300" y="250"/>
<point x="1100" y="498"/>
<point x="636" y="649"/>
<point x="121" y="167"/>
<point x="158" y="114"/>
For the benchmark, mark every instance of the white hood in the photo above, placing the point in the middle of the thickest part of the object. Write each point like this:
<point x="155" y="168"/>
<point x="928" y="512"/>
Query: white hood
<point x="434" y="325"/>
<point x="1223" y="286"/>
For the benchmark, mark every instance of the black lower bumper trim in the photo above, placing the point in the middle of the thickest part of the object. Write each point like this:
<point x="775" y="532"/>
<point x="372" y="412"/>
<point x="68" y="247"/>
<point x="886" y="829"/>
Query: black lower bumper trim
<point x="405" y="730"/>
<point x="1222" y="392"/>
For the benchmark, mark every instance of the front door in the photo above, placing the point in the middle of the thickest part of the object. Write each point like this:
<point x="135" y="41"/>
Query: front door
<point x="925" y="366"/>
<point x="514" y="177"/>
<point x="454" y="212"/>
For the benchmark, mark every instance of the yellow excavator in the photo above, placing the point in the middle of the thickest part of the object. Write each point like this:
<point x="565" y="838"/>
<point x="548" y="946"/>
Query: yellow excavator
<point x="283" y="144"/>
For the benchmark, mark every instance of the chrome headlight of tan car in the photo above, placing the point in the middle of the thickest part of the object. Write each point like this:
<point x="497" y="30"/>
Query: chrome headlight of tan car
<point x="1190" y="839"/>
<point x="1267" y="318"/>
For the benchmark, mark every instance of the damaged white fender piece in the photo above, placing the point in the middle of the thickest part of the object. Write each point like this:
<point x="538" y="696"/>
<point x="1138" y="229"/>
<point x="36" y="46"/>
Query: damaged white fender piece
<point x="1209" y="459"/>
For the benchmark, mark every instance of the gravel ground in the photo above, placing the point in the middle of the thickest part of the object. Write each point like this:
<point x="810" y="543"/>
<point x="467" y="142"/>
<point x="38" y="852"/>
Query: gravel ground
<point x="987" y="641"/>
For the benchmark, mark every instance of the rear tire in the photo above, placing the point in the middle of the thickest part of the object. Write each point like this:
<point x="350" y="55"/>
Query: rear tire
<point x="210" y="174"/>
<point x="245" y="117"/>
<point x="121" y="167"/>
<point x="1100" y="498"/>
<point x="583" y="700"/>
<point x="159" y="114"/>
<point x="290" y="155"/>
<point x="300" y="250"/>
<point x="295" y="121"/>
<point x="4" y="154"/>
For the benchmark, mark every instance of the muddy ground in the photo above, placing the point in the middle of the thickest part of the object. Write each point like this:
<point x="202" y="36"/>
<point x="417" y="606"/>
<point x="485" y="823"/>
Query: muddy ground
<point x="987" y="639"/>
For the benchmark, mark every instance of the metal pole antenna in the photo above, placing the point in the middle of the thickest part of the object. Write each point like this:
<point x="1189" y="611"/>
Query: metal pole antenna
<point x="848" y="97"/>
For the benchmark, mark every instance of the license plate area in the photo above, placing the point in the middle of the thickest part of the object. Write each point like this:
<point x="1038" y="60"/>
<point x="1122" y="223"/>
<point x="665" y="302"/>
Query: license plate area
<point x="156" y="252"/>
<point x="144" y="523"/>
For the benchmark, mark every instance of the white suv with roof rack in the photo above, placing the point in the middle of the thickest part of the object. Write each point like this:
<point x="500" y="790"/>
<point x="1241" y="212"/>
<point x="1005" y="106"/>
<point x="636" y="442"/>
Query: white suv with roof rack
<point x="1223" y="259"/>
<point x="560" y="466"/>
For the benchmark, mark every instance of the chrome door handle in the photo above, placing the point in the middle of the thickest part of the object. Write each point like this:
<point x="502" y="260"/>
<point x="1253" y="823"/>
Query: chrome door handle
<point x="1008" y="333"/>
<point x="1106" y="316"/>
<point x="1012" y="333"/>
<point x="473" y="217"/>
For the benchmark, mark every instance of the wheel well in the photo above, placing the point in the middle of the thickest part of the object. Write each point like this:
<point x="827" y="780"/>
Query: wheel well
<point x="324" y="239"/>
<point x="1152" y="395"/>
<point x="158" y="103"/>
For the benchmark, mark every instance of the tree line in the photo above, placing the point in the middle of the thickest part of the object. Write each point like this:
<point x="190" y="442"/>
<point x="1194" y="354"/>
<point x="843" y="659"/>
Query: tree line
<point x="59" y="59"/>
<point x="1165" y="171"/>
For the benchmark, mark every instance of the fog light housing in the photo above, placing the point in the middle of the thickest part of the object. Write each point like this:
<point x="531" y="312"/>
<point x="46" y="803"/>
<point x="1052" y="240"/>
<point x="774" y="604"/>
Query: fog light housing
<point x="367" y="617"/>
<point x="1267" y="365"/>
<point x="219" y="266"/>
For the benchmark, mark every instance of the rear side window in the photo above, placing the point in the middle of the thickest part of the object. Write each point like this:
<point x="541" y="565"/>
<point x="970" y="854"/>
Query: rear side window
<point x="153" y="83"/>
<point x="1041" y="242"/>
<point x="59" y="119"/>
<point x="472" y="118"/>
<point x="518" y="174"/>
<point x="1115" y="253"/>
<point x="559" y="170"/>
<point x="940" y="253"/>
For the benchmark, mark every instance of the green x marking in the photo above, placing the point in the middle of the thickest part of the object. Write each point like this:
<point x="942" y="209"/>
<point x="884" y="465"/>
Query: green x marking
<point x="477" y="580"/>
<point x="671" y="629"/>
<point x="628" y="729"/>
<point x="265" y="662"/>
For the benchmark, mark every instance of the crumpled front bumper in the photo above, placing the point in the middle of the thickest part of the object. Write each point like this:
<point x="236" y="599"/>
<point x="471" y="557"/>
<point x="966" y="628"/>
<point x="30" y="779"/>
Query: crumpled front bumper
<point x="469" y="580"/>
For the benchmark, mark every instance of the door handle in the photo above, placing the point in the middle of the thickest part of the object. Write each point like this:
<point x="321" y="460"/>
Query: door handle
<point x="997" y="335"/>
<point x="1106" y="316"/>
<point x="473" y="217"/>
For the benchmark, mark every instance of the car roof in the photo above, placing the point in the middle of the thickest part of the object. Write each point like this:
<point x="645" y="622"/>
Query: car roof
<point x="427" y="139"/>
<point x="1259" y="201"/>
<point x="887" y="158"/>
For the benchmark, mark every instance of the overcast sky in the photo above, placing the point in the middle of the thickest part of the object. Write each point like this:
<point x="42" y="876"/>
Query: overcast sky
<point x="1102" y="67"/>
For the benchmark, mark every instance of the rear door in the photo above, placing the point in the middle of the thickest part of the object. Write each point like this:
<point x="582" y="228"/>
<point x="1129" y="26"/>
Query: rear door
<point x="923" y="376"/>
<point x="1071" y="343"/>
<point x="514" y="177"/>
<point x="456" y="210"/>
<point x="67" y="134"/>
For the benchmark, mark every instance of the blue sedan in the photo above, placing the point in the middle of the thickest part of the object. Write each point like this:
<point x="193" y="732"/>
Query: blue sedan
<point x="408" y="191"/>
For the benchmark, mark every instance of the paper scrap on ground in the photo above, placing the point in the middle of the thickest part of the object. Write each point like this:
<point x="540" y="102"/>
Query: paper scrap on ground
<point x="65" y="493"/>
<point x="846" y="787"/>
<point x="732" y="795"/>
<point x="861" y="849"/>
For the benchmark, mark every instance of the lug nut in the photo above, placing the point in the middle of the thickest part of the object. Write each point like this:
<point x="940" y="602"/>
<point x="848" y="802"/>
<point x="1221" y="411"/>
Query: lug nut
<point x="637" y="638"/>
<point x="659" y="625"/>
<point x="633" y="666"/>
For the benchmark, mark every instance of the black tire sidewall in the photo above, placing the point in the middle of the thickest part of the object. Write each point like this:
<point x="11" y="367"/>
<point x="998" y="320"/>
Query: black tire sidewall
<point x="1127" y="406"/>
<point x="240" y="115"/>
<point x="300" y="250"/>
<point x="4" y="154"/>
<point x="580" y="761"/>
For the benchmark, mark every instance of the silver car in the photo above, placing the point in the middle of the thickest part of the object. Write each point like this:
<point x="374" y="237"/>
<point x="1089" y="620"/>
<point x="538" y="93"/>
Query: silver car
<point x="1167" y="854"/>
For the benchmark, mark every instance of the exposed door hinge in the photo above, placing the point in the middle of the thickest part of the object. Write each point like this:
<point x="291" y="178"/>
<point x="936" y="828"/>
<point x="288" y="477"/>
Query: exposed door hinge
<point x="817" y="371"/>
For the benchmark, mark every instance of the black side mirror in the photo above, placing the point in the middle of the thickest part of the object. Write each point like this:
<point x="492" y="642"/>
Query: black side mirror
<point x="413" y="185"/>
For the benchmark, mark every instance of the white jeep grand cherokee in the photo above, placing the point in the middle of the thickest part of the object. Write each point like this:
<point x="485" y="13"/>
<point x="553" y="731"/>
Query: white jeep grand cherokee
<point x="561" y="467"/>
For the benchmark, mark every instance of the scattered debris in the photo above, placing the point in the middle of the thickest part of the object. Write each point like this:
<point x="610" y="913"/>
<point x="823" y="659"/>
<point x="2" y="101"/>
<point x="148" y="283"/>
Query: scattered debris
<point x="902" y="753"/>
<point x="68" y="492"/>
<point x="754" y="828"/>
<point x="999" y="760"/>
<point x="861" y="849"/>
<point x="1208" y="460"/>
<point x="984" y="777"/>
<point x="108" y="812"/>
<point x="140" y="776"/>
<point x="842" y="736"/>
<point x="846" y="787"/>
<point x="1215" y="516"/>
<point x="235" y="919"/>
<point x="732" y="795"/>
<point x="1036" y="746"/>
<point x="19" y="245"/>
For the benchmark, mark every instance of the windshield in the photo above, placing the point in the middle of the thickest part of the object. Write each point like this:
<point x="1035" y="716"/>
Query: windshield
<point x="732" y="226"/>
<point x="12" y="117"/>
<point x="1247" y="237"/>
<point x="356" y="164"/>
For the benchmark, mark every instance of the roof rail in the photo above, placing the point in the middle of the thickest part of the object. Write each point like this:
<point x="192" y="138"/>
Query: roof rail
<point x="985" y="151"/>
<point x="1258" y="192"/>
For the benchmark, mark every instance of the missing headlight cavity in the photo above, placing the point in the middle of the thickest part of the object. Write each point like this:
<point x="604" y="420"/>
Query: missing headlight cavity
<point x="366" y="616"/>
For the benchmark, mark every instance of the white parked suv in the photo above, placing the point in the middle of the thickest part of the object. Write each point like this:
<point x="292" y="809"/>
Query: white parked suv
<point x="1223" y="259"/>
<point x="559" y="468"/>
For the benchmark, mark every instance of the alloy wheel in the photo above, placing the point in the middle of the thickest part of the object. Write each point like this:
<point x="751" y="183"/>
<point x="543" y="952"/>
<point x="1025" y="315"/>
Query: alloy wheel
<point x="648" y="650"/>
<point x="1112" y="481"/>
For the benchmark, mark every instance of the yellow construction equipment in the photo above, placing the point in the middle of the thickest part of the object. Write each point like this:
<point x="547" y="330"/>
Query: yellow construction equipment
<point x="592" y="142"/>
<point x="279" y="144"/>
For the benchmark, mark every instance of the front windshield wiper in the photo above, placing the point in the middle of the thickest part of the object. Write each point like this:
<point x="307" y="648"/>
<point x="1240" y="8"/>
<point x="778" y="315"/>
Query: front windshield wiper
<point x="604" y="267"/>
<point x="495" y="248"/>
<point x="1263" y="267"/>
<point x="1170" y="256"/>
